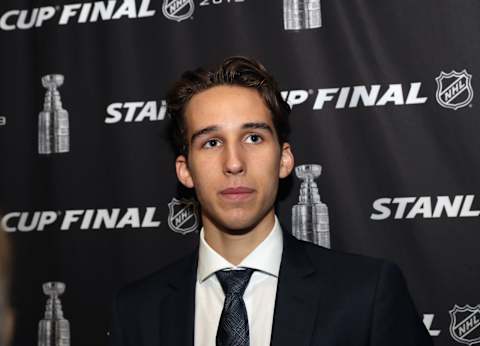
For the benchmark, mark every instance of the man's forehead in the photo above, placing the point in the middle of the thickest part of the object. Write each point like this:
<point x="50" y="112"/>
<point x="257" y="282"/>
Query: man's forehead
<point x="226" y="90"/>
<point x="226" y="107"/>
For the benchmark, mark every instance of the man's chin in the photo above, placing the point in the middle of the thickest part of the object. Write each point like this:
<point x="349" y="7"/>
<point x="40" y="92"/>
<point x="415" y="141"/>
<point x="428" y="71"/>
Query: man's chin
<point x="238" y="226"/>
<point x="238" y="222"/>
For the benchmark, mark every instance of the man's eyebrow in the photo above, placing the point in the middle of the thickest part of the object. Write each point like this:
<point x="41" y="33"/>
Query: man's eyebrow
<point x="203" y="131"/>
<point x="251" y="125"/>
<point x="260" y="125"/>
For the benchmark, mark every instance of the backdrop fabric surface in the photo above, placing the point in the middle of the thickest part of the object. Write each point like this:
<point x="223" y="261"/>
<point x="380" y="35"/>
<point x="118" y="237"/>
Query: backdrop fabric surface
<point x="384" y="99"/>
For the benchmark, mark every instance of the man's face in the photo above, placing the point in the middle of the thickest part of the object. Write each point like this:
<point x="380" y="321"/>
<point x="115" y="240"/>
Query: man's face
<point x="234" y="158"/>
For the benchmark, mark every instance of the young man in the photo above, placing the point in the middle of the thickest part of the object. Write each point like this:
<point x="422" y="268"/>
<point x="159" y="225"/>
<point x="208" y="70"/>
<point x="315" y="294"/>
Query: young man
<point x="250" y="282"/>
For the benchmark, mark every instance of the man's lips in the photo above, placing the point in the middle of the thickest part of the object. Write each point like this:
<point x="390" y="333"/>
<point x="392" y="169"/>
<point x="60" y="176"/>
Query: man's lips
<point x="235" y="190"/>
<point x="237" y="193"/>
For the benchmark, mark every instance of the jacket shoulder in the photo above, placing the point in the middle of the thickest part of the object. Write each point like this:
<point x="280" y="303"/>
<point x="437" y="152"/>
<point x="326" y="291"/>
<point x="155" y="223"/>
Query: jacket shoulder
<point x="156" y="285"/>
<point x="341" y="258"/>
<point x="346" y="268"/>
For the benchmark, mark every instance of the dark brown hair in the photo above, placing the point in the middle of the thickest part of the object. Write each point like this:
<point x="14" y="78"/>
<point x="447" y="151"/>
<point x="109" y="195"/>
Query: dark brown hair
<point x="235" y="70"/>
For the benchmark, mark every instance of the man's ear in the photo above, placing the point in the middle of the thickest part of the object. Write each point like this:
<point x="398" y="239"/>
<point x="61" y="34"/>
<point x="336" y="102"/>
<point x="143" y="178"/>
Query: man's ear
<point x="286" y="161"/>
<point x="183" y="172"/>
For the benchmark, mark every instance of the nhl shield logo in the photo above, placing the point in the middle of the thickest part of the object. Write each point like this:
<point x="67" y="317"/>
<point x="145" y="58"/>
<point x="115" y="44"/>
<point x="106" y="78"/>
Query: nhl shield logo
<point x="465" y="324"/>
<point x="183" y="215"/>
<point x="178" y="9"/>
<point x="454" y="89"/>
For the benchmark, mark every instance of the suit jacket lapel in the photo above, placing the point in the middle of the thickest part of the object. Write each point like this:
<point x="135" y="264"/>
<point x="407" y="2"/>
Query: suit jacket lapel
<point x="297" y="297"/>
<point x="178" y="308"/>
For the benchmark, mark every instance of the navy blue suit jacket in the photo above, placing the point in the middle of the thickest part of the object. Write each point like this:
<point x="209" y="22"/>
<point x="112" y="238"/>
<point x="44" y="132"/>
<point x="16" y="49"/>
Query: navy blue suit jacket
<point x="324" y="298"/>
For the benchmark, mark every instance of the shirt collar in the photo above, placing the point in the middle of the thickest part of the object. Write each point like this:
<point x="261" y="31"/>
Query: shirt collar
<point x="265" y="257"/>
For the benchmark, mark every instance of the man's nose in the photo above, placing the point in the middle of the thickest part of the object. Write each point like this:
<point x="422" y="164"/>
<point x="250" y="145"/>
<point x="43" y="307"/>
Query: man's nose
<point x="234" y="161"/>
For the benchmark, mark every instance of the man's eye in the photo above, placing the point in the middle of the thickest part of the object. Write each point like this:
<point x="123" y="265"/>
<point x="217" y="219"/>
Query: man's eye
<point x="254" y="138"/>
<point x="211" y="143"/>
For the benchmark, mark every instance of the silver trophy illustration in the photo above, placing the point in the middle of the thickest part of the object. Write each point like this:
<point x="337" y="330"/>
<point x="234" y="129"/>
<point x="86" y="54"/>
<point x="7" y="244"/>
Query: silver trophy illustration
<point x="310" y="215"/>
<point x="53" y="124"/>
<point x="301" y="14"/>
<point x="53" y="330"/>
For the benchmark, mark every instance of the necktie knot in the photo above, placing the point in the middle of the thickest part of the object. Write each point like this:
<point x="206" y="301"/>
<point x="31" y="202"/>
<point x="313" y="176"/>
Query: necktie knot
<point x="234" y="281"/>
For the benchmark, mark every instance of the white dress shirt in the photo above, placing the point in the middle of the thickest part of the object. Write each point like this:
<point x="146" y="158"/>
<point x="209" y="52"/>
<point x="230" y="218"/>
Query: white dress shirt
<point x="259" y="295"/>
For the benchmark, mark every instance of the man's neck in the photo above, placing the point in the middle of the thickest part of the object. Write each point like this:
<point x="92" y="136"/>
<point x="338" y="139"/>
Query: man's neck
<point x="235" y="247"/>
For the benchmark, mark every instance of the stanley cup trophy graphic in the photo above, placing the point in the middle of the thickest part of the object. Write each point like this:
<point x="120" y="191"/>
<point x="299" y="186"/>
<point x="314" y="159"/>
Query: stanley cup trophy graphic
<point x="310" y="215"/>
<point x="53" y="125"/>
<point x="53" y="330"/>
<point x="301" y="14"/>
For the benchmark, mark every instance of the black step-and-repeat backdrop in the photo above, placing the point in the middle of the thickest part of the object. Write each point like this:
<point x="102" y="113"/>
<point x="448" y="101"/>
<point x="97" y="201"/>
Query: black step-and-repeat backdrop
<point x="384" y="101"/>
